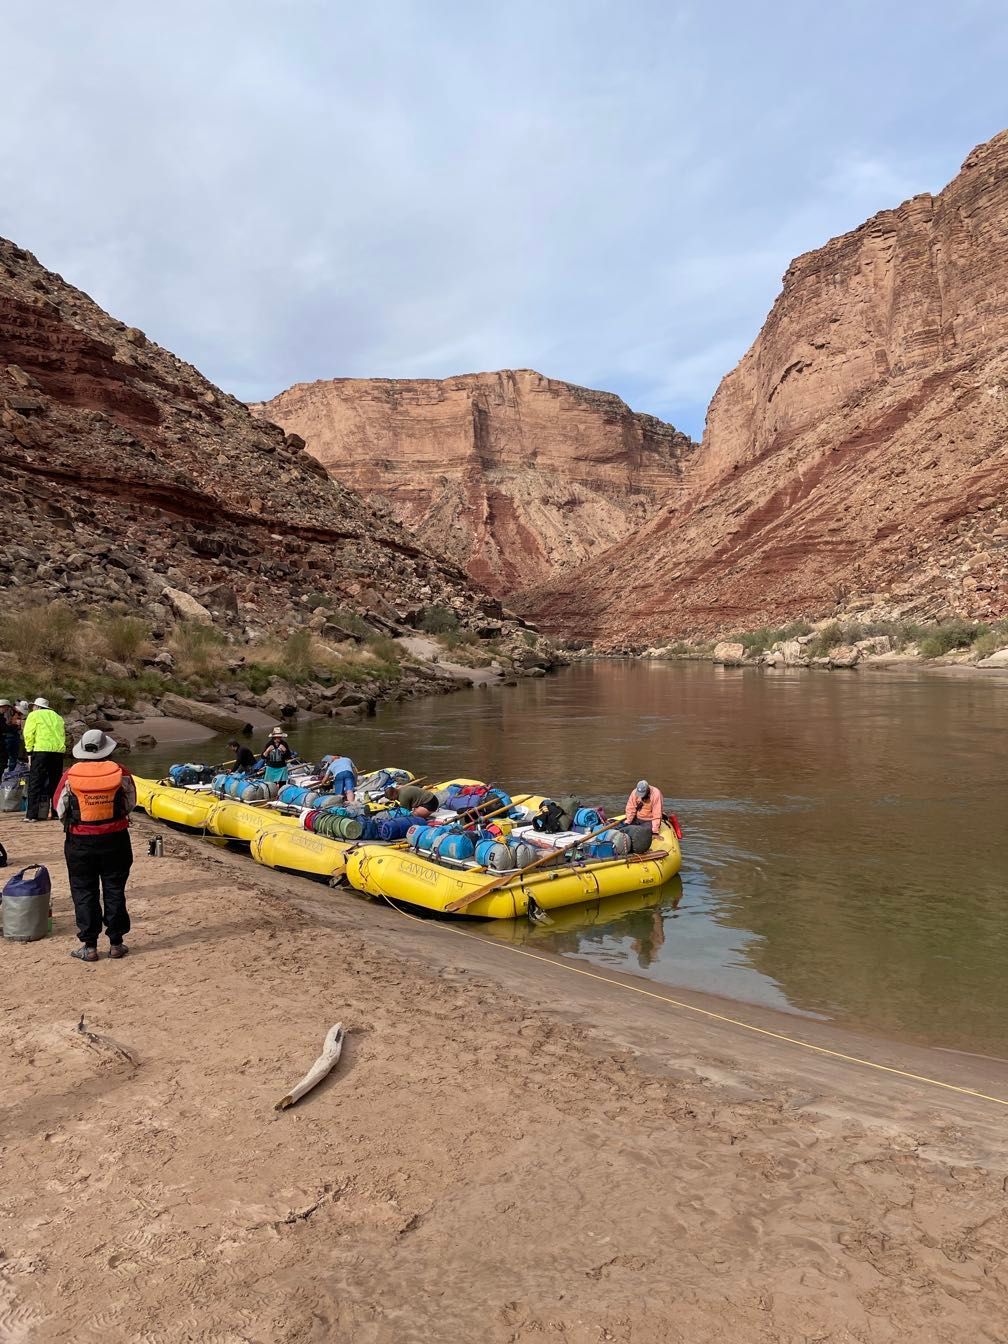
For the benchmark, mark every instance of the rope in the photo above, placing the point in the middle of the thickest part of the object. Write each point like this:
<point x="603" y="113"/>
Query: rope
<point x="717" y="1017"/>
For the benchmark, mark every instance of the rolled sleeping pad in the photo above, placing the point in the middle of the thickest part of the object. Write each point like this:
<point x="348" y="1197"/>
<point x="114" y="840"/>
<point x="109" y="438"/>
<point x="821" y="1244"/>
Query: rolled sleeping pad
<point x="345" y="828"/>
<point x="393" y="828"/>
<point x="494" y="856"/>
<point x="308" y="820"/>
<point x="588" y="819"/>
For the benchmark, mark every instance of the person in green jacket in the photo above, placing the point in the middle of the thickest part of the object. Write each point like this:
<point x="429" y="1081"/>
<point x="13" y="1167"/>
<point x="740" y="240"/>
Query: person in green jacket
<point x="44" y="737"/>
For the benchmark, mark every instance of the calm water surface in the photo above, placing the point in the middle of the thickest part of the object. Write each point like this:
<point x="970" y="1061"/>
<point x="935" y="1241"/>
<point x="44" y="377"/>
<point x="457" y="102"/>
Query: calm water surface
<point x="846" y="834"/>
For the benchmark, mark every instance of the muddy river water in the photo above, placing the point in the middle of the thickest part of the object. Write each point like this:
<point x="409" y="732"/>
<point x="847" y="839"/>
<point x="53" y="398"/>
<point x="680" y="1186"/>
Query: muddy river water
<point x="846" y="834"/>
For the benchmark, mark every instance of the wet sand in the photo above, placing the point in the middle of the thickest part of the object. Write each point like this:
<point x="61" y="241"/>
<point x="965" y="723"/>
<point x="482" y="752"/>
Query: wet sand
<point x="507" y="1152"/>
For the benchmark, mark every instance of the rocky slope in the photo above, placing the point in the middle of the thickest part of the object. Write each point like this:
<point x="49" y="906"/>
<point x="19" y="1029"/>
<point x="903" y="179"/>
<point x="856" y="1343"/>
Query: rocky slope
<point x="857" y="457"/>
<point x="126" y="473"/>
<point x="510" y="474"/>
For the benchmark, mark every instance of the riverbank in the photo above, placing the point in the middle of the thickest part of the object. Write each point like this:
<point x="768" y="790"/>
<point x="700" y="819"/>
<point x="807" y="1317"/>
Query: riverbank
<point x="507" y="1149"/>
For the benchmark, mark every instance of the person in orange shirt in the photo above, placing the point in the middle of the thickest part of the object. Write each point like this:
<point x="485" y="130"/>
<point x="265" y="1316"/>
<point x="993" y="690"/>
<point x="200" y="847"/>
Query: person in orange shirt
<point x="645" y="805"/>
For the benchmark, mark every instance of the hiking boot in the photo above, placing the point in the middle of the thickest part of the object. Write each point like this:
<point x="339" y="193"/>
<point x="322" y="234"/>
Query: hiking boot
<point x="83" y="953"/>
<point x="116" y="951"/>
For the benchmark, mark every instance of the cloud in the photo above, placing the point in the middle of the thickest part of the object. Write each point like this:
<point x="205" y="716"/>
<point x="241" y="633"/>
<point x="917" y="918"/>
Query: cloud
<point x="287" y="191"/>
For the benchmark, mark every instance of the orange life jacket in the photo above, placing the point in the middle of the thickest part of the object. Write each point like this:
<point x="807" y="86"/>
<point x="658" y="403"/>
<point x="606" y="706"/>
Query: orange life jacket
<point x="96" y="795"/>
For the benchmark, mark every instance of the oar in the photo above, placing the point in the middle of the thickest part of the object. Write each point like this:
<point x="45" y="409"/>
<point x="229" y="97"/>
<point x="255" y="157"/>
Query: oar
<point x="480" y="817"/>
<point x="506" y="878"/>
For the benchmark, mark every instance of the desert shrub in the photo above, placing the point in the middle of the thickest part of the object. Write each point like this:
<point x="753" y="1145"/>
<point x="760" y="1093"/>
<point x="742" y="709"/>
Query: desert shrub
<point x="351" y="621"/>
<point x="385" y="650"/>
<point x="299" y="655"/>
<point x="987" y="644"/>
<point x="41" y="634"/>
<point x="123" y="637"/>
<point x="197" y="648"/>
<point x="529" y="638"/>
<point x="948" y="635"/>
<point x="436" y="620"/>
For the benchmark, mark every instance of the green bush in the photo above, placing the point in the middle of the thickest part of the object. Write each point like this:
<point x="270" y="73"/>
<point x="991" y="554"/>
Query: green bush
<point x="350" y="620"/>
<point x="987" y="644"/>
<point x="41" y="634"/>
<point x="298" y="655"/>
<point x="949" y="635"/>
<point x="529" y="638"/>
<point x="436" y="620"/>
<point x="384" y="649"/>
<point x="123" y="637"/>
<point x="197" y="648"/>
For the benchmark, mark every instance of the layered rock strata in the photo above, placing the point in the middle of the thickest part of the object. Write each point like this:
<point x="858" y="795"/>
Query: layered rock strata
<point x="511" y="475"/>
<point x="130" y="481"/>
<point x="856" y="458"/>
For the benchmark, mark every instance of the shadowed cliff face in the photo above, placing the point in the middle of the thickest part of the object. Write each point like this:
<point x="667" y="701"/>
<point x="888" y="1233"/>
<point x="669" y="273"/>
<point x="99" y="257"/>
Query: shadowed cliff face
<point x="124" y="470"/>
<point x="511" y="475"/>
<point x="858" y="454"/>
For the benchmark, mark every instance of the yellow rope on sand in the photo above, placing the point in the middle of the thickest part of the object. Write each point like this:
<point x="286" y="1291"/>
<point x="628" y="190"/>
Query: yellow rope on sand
<point x="717" y="1017"/>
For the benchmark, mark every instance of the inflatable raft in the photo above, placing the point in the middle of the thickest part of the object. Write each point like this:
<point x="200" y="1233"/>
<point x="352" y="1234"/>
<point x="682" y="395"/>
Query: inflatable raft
<point x="299" y="851"/>
<point x="403" y="875"/>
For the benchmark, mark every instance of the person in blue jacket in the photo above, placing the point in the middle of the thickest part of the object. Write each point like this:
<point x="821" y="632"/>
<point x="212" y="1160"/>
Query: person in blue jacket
<point x="343" y="774"/>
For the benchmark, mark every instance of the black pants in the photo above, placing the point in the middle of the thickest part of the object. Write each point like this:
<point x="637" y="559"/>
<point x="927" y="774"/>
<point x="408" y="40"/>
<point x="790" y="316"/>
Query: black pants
<point x="44" y="770"/>
<point x="104" y="860"/>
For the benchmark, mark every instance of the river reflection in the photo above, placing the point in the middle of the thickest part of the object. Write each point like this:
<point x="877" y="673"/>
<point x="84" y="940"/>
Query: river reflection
<point x="846" y="834"/>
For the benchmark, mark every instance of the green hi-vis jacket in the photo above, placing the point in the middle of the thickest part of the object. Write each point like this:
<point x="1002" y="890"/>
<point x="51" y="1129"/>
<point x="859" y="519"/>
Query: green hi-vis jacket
<point x="44" y="731"/>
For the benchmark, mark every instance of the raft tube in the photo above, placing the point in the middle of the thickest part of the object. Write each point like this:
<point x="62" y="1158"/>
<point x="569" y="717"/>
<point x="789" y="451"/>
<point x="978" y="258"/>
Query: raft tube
<point x="379" y="870"/>
<point x="180" y="807"/>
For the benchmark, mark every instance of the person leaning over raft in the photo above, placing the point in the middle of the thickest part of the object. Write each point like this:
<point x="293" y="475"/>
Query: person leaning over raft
<point x="244" y="760"/>
<point x="93" y="800"/>
<point x="420" y="801"/>
<point x="277" y="756"/>
<point x="45" y="742"/>
<point x="343" y="774"/>
<point x="645" y="805"/>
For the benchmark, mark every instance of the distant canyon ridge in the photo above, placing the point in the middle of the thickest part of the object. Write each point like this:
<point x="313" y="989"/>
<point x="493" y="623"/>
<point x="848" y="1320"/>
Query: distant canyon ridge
<point x="512" y="475"/>
<point x="856" y="458"/>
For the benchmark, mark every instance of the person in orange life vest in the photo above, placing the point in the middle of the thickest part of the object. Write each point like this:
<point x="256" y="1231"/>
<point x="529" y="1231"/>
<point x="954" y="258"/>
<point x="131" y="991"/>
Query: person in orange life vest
<point x="645" y="805"/>
<point x="93" y="800"/>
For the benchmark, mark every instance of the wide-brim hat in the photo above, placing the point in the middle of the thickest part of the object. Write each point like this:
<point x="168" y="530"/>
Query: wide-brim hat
<point x="278" y="732"/>
<point x="41" y="702"/>
<point x="94" y="745"/>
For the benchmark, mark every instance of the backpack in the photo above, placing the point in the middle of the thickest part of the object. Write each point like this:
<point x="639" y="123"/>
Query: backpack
<point x="95" y="794"/>
<point x="551" y="819"/>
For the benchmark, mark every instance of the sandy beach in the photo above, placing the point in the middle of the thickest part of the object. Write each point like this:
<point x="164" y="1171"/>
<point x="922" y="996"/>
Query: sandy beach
<point x="508" y="1151"/>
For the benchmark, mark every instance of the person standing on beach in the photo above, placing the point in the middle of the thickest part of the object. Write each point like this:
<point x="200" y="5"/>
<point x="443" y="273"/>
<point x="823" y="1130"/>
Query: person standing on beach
<point x="10" y="735"/>
<point x="45" y="742"/>
<point x="93" y="800"/>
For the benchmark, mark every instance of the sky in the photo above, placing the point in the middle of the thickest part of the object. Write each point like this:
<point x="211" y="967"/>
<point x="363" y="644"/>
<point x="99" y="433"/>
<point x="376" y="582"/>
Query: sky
<point x="607" y="192"/>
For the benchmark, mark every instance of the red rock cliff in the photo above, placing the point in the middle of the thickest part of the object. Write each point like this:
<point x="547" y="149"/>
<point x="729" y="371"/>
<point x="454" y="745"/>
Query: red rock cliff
<point x="857" y="455"/>
<point x="510" y="474"/>
<point x="125" y="471"/>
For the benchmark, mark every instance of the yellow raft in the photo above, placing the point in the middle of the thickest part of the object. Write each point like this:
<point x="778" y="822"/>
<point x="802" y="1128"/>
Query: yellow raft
<point x="380" y="870"/>
<point x="300" y="851"/>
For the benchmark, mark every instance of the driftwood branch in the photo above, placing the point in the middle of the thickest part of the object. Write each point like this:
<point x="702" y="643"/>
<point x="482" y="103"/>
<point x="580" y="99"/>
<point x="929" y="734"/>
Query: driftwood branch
<point x="323" y="1066"/>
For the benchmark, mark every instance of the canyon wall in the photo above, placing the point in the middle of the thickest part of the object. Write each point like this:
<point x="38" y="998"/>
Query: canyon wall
<point x="857" y="457"/>
<point x="125" y="472"/>
<point x="510" y="475"/>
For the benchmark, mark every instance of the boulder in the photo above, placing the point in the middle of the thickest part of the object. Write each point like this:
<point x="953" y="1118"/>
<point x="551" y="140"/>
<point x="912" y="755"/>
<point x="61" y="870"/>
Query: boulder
<point x="844" y="655"/>
<point x="729" y="653"/>
<point x="295" y="443"/>
<point x="211" y="716"/>
<point x="998" y="659"/>
<point x="117" y="670"/>
<point x="877" y="644"/>
<point x="145" y="740"/>
<point x="793" y="653"/>
<point x="164" y="660"/>
<point x="185" y="606"/>
<point x="221" y="597"/>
